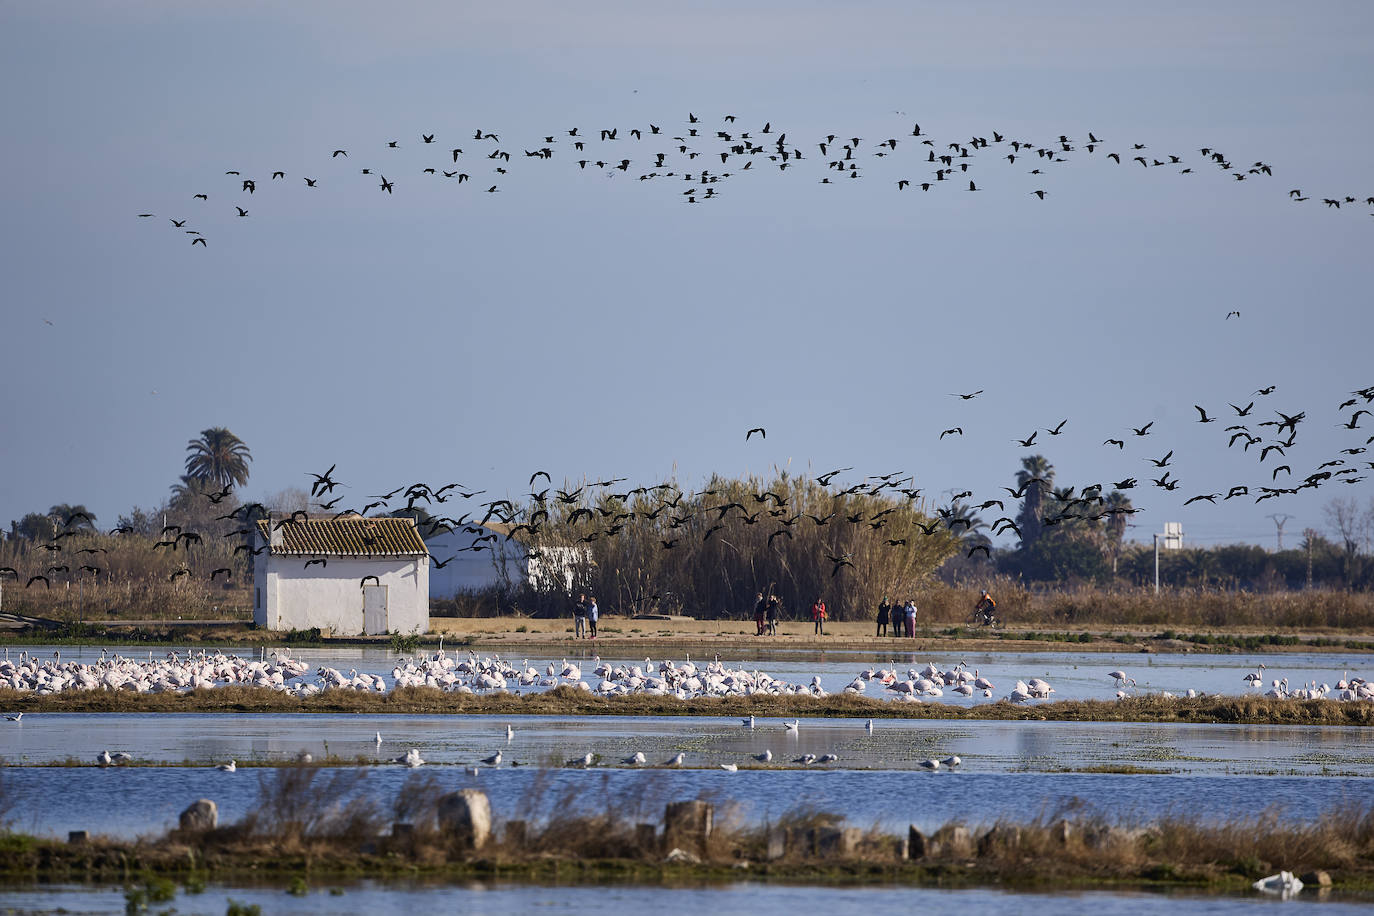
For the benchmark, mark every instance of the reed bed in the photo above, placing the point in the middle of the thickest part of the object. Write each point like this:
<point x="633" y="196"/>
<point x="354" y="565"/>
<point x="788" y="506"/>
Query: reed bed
<point x="311" y="825"/>
<point x="570" y="701"/>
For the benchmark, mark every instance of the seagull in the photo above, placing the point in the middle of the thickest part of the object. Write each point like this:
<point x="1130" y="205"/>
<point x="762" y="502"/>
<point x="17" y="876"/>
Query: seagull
<point x="765" y="757"/>
<point x="379" y="738"/>
<point x="104" y="758"/>
<point x="791" y="726"/>
<point x="510" y="734"/>
<point x="494" y="760"/>
<point x="729" y="767"/>
<point x="748" y="723"/>
<point x="952" y="761"/>
<point x="930" y="764"/>
<point x="121" y="757"/>
<point x="868" y="726"/>
<point x="828" y="758"/>
<point x="674" y="761"/>
<point x="14" y="717"/>
<point x="230" y="767"/>
<point x="636" y="760"/>
<point x="805" y="759"/>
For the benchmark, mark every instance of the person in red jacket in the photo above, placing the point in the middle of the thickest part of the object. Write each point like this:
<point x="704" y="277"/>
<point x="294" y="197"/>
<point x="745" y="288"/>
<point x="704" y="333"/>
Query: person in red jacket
<point x="818" y="615"/>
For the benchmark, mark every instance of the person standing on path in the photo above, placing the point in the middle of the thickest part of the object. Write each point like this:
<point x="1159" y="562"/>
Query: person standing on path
<point x="593" y="612"/>
<point x="882" y="616"/>
<point x="910" y="614"/>
<point x="818" y="615"/>
<point x="580" y="616"/>
<point x="774" y="609"/>
<point x="760" y="609"/>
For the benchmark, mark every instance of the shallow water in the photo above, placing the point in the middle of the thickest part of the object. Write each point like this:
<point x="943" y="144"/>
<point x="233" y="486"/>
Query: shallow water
<point x="755" y="898"/>
<point x="1074" y="675"/>
<point x="984" y="746"/>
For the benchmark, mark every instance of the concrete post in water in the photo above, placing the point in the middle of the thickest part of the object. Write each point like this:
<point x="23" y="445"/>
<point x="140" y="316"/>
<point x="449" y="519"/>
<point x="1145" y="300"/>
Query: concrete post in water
<point x="917" y="844"/>
<point x="466" y="815"/>
<point x="1061" y="831"/>
<point x="203" y="814"/>
<point x="953" y="840"/>
<point x="777" y="843"/>
<point x="841" y="842"/>
<point x="1001" y="837"/>
<point x="687" y="826"/>
<point x="516" y="832"/>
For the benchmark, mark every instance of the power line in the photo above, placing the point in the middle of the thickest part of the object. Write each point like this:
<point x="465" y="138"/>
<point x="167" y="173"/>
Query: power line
<point x="1280" y="518"/>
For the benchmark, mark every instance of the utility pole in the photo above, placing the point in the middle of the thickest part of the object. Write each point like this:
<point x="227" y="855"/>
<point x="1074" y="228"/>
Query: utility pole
<point x="1279" y="519"/>
<point x="1310" y="534"/>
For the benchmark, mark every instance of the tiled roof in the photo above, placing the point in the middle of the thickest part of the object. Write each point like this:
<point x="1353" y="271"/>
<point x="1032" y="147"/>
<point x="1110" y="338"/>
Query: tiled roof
<point x="347" y="537"/>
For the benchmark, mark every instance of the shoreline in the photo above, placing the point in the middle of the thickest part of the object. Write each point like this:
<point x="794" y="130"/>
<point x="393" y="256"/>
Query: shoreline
<point x="570" y="701"/>
<point x="725" y="637"/>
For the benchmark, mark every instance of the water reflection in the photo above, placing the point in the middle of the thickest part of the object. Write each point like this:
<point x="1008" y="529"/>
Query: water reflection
<point x="756" y="898"/>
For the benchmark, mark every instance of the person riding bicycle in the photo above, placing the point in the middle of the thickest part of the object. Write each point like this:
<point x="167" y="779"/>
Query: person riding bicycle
<point x="987" y="608"/>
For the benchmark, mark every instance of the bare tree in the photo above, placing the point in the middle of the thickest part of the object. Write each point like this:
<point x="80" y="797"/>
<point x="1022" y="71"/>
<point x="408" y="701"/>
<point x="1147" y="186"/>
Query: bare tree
<point x="1351" y="524"/>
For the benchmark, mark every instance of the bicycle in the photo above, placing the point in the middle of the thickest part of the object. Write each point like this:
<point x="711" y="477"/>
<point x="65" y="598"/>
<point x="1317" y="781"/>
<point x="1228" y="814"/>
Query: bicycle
<point x="977" y="620"/>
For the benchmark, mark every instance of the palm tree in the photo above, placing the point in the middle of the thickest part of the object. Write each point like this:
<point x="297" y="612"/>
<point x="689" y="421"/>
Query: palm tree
<point x="1116" y="523"/>
<point x="1037" y="478"/>
<point x="184" y="494"/>
<point x="218" y="457"/>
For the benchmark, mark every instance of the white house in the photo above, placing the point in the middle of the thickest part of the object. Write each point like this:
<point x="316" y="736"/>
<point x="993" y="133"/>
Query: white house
<point x="478" y="557"/>
<point x="350" y="576"/>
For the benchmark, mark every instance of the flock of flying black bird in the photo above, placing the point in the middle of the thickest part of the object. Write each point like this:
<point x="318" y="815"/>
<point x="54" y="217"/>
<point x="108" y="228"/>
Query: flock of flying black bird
<point x="702" y="513"/>
<point x="701" y="158"/>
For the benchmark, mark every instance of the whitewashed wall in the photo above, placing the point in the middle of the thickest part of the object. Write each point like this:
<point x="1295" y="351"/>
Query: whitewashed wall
<point x="470" y="570"/>
<point x="287" y="596"/>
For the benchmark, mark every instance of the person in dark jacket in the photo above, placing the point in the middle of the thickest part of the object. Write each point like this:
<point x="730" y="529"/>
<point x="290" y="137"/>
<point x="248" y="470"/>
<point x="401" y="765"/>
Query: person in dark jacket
<point x="760" y="610"/>
<point x="774" y="611"/>
<point x="883" y="610"/>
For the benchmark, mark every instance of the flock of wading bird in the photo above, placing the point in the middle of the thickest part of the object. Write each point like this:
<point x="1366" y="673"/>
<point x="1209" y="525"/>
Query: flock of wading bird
<point x="674" y="514"/>
<point x="699" y="159"/>
<point x="473" y="674"/>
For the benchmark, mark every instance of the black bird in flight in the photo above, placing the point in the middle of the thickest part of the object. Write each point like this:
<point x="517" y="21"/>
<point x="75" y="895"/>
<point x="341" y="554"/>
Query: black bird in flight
<point x="1162" y="462"/>
<point x="1205" y="418"/>
<point x="967" y="397"/>
<point x="957" y="430"/>
<point x="824" y="479"/>
<point x="1058" y="429"/>
<point x="1119" y="443"/>
<point x="1143" y="430"/>
<point x="757" y="429"/>
<point x="1027" y="442"/>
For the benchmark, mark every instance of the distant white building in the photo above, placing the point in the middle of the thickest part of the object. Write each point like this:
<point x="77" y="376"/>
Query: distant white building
<point x="479" y="557"/>
<point x="348" y="576"/>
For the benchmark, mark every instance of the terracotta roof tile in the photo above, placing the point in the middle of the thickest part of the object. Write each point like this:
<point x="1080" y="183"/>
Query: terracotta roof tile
<point x="348" y="537"/>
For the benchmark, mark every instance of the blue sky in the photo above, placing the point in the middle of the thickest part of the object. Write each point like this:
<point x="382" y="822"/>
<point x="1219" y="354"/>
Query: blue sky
<point x="587" y="323"/>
